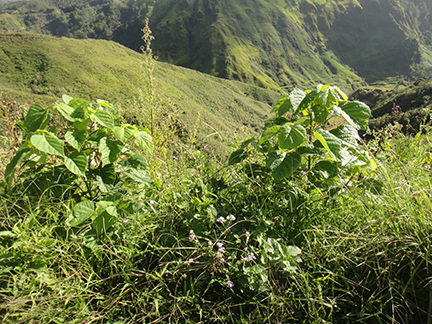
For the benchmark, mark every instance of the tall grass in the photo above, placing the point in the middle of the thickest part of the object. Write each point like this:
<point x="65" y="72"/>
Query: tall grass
<point x="210" y="243"/>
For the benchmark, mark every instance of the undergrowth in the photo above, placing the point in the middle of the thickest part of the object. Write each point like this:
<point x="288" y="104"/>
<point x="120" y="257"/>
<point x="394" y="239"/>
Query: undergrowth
<point x="208" y="242"/>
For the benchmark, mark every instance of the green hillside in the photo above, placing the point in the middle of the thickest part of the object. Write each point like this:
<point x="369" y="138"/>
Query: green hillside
<point x="105" y="221"/>
<point x="408" y="106"/>
<point x="269" y="43"/>
<point x="36" y="68"/>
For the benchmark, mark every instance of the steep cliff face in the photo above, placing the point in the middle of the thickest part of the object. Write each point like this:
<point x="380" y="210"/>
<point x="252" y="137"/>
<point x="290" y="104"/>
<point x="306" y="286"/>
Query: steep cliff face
<point x="268" y="43"/>
<point x="382" y="38"/>
<point x="296" y="41"/>
<point x="187" y="34"/>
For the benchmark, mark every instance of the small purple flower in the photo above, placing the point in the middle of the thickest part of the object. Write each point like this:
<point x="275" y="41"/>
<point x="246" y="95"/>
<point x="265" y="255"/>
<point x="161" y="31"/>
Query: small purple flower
<point x="285" y="201"/>
<point x="220" y="255"/>
<point x="221" y="219"/>
<point x="251" y="256"/>
<point x="189" y="262"/>
<point x="192" y="236"/>
<point x="152" y="202"/>
<point x="126" y="221"/>
<point x="230" y="283"/>
<point x="221" y="247"/>
<point x="231" y="218"/>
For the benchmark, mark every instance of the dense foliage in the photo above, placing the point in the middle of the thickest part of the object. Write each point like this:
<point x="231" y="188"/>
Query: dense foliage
<point x="308" y="124"/>
<point x="205" y="241"/>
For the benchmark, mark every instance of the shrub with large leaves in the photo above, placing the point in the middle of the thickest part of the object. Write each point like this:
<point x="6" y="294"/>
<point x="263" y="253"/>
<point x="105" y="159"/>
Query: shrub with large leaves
<point x="315" y="132"/>
<point x="83" y="149"/>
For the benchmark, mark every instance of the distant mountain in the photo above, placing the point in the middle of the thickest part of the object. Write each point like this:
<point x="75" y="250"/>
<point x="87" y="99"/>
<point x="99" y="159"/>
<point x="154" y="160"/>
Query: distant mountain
<point x="269" y="43"/>
<point x="6" y="1"/>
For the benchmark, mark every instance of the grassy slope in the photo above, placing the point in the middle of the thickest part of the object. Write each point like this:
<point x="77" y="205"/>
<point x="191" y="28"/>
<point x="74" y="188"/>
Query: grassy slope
<point x="40" y="69"/>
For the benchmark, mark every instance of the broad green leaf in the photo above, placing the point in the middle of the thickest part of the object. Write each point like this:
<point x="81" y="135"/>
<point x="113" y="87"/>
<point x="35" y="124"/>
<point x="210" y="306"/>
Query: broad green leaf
<point x="330" y="142"/>
<point x="105" y="104"/>
<point x="338" y="112"/>
<point x="66" y="98"/>
<point x="35" y="157"/>
<point x="347" y="134"/>
<point x="257" y="277"/>
<point x="358" y="111"/>
<point x="97" y="135"/>
<point x="13" y="163"/>
<point x="304" y="121"/>
<point x="135" y="161"/>
<point x="80" y="113"/>
<point x="138" y="175"/>
<point x="281" y="255"/>
<point x="104" y="218"/>
<point x="80" y="213"/>
<point x="81" y="125"/>
<point x="333" y="97"/>
<point x="110" y="150"/>
<point x="48" y="143"/>
<point x="306" y="149"/>
<point x="342" y="94"/>
<point x="321" y="113"/>
<point x="280" y="103"/>
<point x="285" y="167"/>
<point x="144" y="141"/>
<point x="306" y="102"/>
<point x="103" y="187"/>
<point x="103" y="118"/>
<point x="76" y="163"/>
<point x="291" y="258"/>
<point x="76" y="138"/>
<point x="237" y="156"/>
<point x="269" y="133"/>
<point x="329" y="166"/>
<point x="250" y="141"/>
<point x="322" y="95"/>
<point x="37" y="118"/>
<point x="79" y="103"/>
<point x="290" y="103"/>
<point x="125" y="132"/>
<point x="296" y="97"/>
<point x="66" y="111"/>
<point x="291" y="136"/>
<point x="107" y="174"/>
<point x="285" y="107"/>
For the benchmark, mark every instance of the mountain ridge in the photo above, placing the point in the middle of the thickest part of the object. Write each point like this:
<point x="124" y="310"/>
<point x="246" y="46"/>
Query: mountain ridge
<point x="271" y="44"/>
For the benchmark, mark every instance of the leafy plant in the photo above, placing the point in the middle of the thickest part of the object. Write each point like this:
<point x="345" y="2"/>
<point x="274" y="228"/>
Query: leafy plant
<point x="314" y="133"/>
<point x="84" y="149"/>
